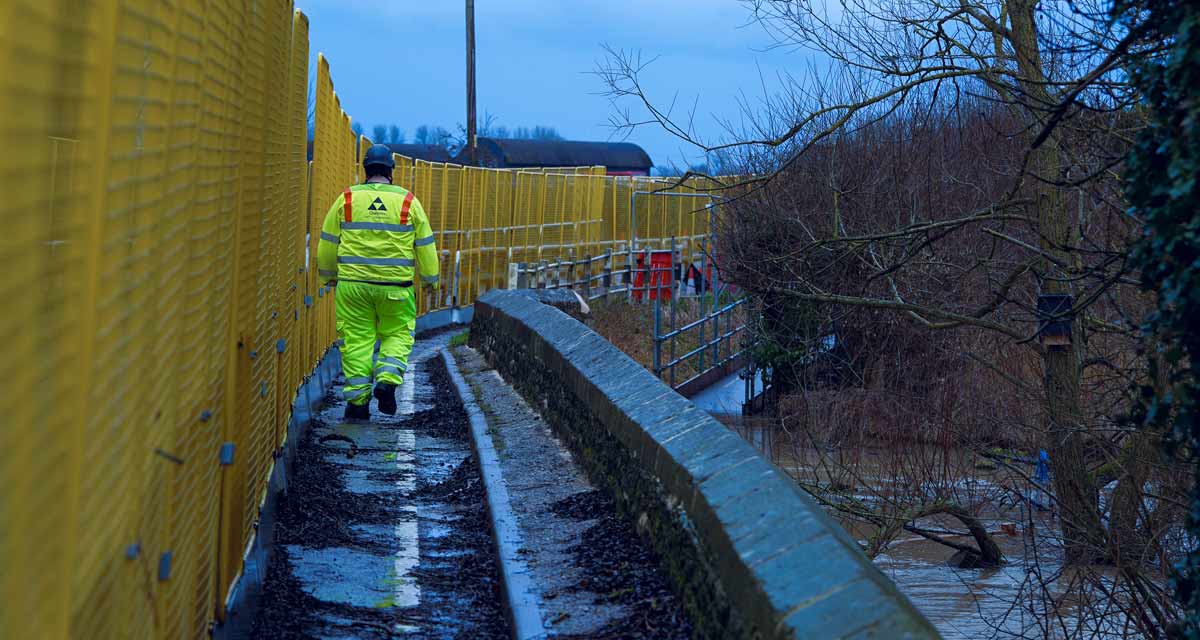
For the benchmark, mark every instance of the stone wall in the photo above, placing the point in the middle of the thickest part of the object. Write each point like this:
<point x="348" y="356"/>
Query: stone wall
<point x="749" y="553"/>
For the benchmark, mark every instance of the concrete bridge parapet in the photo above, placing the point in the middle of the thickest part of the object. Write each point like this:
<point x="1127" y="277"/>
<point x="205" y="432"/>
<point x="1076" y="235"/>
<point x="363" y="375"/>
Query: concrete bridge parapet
<point x="748" y="552"/>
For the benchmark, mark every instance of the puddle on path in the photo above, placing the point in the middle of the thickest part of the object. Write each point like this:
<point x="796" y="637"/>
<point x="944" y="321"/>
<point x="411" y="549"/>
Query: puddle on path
<point x="394" y="541"/>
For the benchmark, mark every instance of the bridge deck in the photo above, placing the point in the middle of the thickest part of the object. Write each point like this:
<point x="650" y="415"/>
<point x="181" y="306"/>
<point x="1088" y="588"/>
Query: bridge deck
<point x="390" y="535"/>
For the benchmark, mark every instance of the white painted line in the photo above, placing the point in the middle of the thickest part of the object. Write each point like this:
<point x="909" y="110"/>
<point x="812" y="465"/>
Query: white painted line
<point x="522" y="599"/>
<point x="407" y="590"/>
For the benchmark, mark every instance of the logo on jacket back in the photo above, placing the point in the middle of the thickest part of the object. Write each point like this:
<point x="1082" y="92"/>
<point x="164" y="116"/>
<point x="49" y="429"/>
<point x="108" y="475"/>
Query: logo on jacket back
<point x="377" y="205"/>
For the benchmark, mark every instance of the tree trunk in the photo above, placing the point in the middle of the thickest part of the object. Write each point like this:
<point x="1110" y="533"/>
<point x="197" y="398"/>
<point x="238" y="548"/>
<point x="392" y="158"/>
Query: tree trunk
<point x="1129" y="543"/>
<point x="987" y="554"/>
<point x="1074" y="486"/>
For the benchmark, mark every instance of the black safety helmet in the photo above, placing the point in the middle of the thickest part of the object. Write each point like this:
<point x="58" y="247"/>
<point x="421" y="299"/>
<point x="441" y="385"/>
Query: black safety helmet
<point x="379" y="155"/>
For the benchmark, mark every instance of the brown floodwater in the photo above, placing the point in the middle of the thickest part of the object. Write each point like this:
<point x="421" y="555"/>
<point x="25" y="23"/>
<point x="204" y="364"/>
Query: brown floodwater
<point x="1024" y="598"/>
<point x="1031" y="595"/>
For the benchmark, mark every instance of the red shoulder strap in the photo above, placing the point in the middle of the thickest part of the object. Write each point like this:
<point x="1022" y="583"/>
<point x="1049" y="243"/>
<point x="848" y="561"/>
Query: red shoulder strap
<point x="404" y="208"/>
<point x="346" y="208"/>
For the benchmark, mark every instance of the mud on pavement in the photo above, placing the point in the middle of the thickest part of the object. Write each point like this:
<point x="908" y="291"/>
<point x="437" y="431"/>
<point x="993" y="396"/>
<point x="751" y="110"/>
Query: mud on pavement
<point x="393" y="540"/>
<point x="595" y="576"/>
<point x="624" y="570"/>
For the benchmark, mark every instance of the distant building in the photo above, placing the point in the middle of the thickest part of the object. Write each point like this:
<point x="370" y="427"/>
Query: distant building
<point x="620" y="158"/>
<point x="427" y="152"/>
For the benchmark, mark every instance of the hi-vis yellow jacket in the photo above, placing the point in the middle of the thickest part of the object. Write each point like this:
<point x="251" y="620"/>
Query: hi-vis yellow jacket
<point x="377" y="232"/>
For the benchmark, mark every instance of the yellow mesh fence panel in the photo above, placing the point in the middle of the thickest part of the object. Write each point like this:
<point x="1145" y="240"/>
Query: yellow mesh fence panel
<point x="213" y="254"/>
<point x="47" y="173"/>
<point x="403" y="175"/>
<point x="296" y="220"/>
<point x="364" y="143"/>
<point x="494" y="229"/>
<point x="448" y="218"/>
<point x="190" y="528"/>
<point x="322" y="193"/>
<point x="469" y="220"/>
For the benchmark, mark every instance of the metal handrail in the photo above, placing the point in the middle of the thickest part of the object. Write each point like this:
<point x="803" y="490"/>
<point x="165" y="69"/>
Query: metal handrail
<point x="707" y="345"/>
<point x="707" y="317"/>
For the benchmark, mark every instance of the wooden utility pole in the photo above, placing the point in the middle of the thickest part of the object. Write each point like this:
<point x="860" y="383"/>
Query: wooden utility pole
<point x="472" y="158"/>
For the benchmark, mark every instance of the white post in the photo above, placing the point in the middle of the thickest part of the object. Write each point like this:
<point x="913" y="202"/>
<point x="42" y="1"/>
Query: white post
<point x="513" y="272"/>
<point x="457" y="276"/>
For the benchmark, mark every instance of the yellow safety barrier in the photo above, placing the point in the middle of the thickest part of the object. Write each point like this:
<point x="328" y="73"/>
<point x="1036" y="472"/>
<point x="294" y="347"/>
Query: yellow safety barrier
<point x="486" y="219"/>
<point x="160" y="230"/>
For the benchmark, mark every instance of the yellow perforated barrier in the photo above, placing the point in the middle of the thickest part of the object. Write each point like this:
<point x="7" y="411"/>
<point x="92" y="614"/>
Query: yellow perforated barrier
<point x="486" y="219"/>
<point x="160" y="234"/>
<point x="157" y="331"/>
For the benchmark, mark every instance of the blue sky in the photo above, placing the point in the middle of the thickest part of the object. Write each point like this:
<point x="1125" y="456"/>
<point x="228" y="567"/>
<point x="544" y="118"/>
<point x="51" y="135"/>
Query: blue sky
<point x="403" y="62"/>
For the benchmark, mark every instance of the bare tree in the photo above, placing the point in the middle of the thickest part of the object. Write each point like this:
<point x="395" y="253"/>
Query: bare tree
<point x="956" y="165"/>
<point x="426" y="134"/>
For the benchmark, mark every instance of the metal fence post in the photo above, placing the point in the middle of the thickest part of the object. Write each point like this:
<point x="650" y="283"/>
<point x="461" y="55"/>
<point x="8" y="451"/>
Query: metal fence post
<point x="657" y="332"/>
<point x="509" y="262"/>
<point x="629" y="273"/>
<point x="523" y="275"/>
<point x="587" y="276"/>
<point x="457" y="277"/>
<point x="606" y="280"/>
<point x="712" y="233"/>
<point x="674" y="303"/>
<point x="712" y="247"/>
<point x="716" y="335"/>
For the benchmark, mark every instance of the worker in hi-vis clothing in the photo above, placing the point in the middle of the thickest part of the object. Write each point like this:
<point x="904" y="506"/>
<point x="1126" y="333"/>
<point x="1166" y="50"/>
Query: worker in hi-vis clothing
<point x="374" y="235"/>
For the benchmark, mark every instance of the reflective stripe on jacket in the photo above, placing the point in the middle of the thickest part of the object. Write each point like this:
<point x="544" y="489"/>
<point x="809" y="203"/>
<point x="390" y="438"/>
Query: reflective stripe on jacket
<point x="380" y="237"/>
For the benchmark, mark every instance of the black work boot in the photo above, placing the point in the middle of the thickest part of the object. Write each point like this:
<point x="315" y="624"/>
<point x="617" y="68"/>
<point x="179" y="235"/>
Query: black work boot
<point x="357" y="412"/>
<point x="385" y="393"/>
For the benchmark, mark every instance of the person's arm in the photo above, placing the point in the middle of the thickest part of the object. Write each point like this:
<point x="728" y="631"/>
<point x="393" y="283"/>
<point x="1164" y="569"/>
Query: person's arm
<point x="331" y="235"/>
<point x="426" y="249"/>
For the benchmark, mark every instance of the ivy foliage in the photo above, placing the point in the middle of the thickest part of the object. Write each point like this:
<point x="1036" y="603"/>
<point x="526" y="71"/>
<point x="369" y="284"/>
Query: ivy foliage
<point x="1163" y="189"/>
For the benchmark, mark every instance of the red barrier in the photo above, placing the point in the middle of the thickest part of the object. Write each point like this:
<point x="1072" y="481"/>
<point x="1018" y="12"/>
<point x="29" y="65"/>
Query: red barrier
<point x="661" y="277"/>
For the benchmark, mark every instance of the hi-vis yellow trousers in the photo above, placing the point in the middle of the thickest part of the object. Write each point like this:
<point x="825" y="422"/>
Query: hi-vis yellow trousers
<point x="370" y="312"/>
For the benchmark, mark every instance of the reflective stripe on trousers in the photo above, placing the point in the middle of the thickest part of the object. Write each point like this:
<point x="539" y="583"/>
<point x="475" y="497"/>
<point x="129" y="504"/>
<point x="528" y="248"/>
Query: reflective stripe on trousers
<point x="390" y="365"/>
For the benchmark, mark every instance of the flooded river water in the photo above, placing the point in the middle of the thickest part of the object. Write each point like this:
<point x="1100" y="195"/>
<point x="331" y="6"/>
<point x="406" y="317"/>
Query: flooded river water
<point x="1031" y="595"/>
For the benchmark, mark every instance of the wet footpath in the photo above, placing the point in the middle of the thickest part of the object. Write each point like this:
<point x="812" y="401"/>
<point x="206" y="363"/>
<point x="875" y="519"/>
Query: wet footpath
<point x="385" y="529"/>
